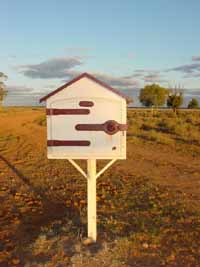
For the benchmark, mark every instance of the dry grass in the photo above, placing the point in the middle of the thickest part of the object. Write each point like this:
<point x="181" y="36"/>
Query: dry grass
<point x="148" y="205"/>
<point x="165" y="127"/>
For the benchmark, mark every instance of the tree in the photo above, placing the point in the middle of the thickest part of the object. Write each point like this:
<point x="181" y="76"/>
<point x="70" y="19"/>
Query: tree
<point x="175" y="100"/>
<point x="3" y="92"/>
<point x="129" y="100"/>
<point x="153" y="95"/>
<point x="193" y="103"/>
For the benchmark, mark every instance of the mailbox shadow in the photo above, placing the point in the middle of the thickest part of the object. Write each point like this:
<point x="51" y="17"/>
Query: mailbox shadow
<point x="52" y="210"/>
<point x="49" y="205"/>
<point x="16" y="171"/>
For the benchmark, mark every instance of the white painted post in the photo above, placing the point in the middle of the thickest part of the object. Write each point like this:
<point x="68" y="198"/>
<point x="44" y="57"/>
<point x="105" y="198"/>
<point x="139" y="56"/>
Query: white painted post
<point x="91" y="199"/>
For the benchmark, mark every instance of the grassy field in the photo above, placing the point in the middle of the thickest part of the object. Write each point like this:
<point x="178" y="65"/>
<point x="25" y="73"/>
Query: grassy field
<point x="148" y="205"/>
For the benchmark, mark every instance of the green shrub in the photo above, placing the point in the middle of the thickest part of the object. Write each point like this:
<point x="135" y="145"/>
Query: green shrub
<point x="41" y="120"/>
<point x="193" y="103"/>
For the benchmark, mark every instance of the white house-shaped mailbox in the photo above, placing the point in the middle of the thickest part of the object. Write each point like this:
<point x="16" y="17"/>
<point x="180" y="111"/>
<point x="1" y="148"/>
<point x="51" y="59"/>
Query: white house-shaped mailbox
<point x="86" y="118"/>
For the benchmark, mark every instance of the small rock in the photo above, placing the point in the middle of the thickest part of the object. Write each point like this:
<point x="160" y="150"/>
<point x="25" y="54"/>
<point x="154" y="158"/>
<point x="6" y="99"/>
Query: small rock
<point x="77" y="248"/>
<point x="145" y="245"/>
<point x="42" y="237"/>
<point x="87" y="241"/>
<point x="15" y="261"/>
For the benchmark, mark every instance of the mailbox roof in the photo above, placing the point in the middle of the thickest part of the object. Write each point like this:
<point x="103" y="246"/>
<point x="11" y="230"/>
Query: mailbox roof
<point x="80" y="77"/>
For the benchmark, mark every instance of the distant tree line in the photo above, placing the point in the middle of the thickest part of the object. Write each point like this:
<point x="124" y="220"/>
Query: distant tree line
<point x="155" y="96"/>
<point x="3" y="91"/>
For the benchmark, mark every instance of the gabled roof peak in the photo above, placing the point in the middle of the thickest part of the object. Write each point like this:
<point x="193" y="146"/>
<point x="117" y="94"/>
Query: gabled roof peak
<point x="89" y="76"/>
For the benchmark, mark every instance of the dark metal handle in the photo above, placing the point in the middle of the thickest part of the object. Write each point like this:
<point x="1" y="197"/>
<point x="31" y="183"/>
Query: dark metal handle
<point x="110" y="127"/>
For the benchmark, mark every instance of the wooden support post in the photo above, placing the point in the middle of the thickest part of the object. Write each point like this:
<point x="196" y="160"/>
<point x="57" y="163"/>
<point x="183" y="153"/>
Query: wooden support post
<point x="77" y="167"/>
<point x="91" y="198"/>
<point x="91" y="177"/>
<point x="105" y="167"/>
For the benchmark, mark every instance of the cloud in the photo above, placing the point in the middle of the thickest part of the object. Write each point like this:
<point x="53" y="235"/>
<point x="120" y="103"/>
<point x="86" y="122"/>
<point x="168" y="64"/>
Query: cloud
<point x="154" y="78"/>
<point x="188" y="68"/>
<point x="21" y="95"/>
<point x="65" y="68"/>
<point x="192" y="75"/>
<point x="132" y="81"/>
<point x="148" y="75"/>
<point x="146" y="71"/>
<point x="151" y="77"/>
<point x="191" y="92"/>
<point x="19" y="89"/>
<point x="196" y="58"/>
<point x="12" y="57"/>
<point x="53" y="68"/>
<point x="145" y="75"/>
<point x="122" y="82"/>
<point x="134" y="75"/>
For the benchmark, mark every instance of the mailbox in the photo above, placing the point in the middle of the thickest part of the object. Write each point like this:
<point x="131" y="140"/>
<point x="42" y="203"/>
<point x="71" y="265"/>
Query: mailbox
<point x="86" y="118"/>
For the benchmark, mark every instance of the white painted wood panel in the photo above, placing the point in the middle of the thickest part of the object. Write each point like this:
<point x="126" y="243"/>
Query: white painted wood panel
<point x="62" y="127"/>
<point x="107" y="106"/>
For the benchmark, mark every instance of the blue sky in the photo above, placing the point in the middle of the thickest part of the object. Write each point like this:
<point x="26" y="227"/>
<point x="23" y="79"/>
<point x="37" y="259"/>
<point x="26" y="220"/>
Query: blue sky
<point x="126" y="43"/>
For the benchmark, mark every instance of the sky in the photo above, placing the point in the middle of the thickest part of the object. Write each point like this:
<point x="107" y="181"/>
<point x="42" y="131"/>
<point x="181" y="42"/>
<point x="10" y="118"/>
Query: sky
<point x="127" y="44"/>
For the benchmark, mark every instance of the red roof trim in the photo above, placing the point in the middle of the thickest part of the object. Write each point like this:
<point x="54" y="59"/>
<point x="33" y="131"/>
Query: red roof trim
<point x="78" y="78"/>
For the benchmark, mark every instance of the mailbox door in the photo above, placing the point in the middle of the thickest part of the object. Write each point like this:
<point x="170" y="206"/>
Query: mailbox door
<point x="66" y="141"/>
<point x="108" y="145"/>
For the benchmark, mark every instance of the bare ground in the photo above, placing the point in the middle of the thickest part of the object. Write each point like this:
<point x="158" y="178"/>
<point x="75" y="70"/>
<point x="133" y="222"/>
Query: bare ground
<point x="27" y="179"/>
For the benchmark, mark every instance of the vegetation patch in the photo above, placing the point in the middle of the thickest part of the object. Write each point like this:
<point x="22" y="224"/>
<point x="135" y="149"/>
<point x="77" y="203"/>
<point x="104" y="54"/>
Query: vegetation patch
<point x="40" y="120"/>
<point x="7" y="137"/>
<point x="164" y="127"/>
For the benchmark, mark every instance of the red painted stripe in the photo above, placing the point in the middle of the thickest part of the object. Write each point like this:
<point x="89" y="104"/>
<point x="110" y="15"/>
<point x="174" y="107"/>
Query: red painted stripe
<point x="86" y="104"/>
<point x="55" y="111"/>
<point x="68" y="143"/>
<point x="89" y="127"/>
